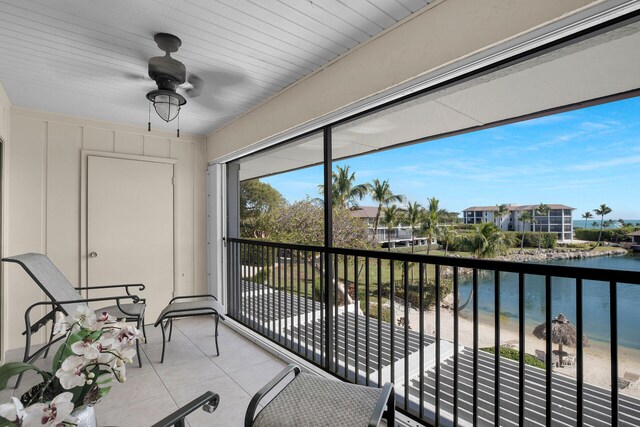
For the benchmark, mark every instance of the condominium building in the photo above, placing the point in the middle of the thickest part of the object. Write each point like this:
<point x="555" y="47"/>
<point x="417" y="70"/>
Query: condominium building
<point x="559" y="219"/>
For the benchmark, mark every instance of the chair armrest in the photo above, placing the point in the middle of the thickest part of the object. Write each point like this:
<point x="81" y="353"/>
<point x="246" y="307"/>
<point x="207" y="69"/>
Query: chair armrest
<point x="193" y="296"/>
<point x="56" y="305"/>
<point x="208" y="401"/>
<point x="255" y="401"/>
<point x="140" y="286"/>
<point x="387" y="398"/>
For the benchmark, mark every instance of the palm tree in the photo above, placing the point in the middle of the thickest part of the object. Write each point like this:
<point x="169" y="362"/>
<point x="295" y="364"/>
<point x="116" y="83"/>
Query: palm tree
<point x="391" y="218"/>
<point x="486" y="241"/>
<point x="380" y="192"/>
<point x="587" y="216"/>
<point x="448" y="235"/>
<point x="527" y="218"/>
<point x="543" y="210"/>
<point x="499" y="213"/>
<point x="601" y="211"/>
<point x="343" y="190"/>
<point x="433" y="216"/>
<point x="414" y="216"/>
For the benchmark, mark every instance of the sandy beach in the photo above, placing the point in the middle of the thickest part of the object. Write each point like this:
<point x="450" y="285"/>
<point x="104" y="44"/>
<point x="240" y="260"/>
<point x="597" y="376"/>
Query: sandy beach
<point x="596" y="356"/>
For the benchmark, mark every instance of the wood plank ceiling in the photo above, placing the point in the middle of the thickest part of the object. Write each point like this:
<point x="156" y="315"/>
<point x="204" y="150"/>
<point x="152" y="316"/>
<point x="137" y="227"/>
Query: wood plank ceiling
<point x="89" y="57"/>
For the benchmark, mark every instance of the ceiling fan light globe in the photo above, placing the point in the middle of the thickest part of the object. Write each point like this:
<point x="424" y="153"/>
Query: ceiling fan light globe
<point x="166" y="103"/>
<point x="167" y="107"/>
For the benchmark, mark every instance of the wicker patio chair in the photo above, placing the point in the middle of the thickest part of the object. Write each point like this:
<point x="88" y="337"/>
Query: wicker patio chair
<point x="65" y="298"/>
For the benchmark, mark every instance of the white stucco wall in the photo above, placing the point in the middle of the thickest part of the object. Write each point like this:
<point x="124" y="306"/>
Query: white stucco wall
<point x="446" y="31"/>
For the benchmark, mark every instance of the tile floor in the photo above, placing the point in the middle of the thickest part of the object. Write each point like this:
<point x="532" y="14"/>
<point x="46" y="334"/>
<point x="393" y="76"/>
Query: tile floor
<point x="190" y="368"/>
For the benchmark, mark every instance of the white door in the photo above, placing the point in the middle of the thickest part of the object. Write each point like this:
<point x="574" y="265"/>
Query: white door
<point x="130" y="227"/>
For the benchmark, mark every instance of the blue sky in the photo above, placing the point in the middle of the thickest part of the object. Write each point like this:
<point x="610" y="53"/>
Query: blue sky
<point x="580" y="158"/>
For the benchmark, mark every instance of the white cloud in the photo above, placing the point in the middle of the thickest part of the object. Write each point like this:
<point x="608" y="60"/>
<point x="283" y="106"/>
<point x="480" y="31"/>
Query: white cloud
<point x="620" y="161"/>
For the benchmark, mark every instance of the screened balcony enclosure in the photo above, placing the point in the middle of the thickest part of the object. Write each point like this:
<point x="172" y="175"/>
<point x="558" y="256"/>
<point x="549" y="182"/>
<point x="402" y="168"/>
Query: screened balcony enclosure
<point x="373" y="316"/>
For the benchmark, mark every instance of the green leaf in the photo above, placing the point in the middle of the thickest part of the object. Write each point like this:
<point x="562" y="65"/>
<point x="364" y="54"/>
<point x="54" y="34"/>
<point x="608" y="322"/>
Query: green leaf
<point x="8" y="370"/>
<point x="5" y="422"/>
<point x="65" y="350"/>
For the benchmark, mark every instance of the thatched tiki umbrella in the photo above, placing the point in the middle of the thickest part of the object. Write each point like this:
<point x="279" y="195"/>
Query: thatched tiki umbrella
<point x="562" y="333"/>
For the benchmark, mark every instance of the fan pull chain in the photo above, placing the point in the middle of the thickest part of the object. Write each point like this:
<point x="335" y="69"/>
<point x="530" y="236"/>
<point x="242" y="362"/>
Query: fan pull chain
<point x="178" y="124"/>
<point x="149" y="123"/>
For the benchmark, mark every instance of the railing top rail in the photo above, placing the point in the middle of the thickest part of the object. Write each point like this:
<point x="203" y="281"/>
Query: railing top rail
<point x="585" y="273"/>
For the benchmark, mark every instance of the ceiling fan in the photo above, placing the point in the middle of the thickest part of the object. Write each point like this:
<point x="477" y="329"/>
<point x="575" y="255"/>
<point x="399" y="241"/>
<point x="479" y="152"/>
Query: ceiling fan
<point x="169" y="74"/>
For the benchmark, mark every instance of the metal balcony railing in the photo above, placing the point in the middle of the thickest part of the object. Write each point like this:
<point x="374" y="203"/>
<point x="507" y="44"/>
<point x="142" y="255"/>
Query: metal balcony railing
<point x="347" y="312"/>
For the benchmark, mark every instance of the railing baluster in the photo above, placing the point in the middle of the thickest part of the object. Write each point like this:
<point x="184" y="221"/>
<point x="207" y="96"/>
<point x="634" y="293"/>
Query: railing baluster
<point x="273" y="293"/>
<point x="392" y="320"/>
<point x="421" y="311"/>
<point x="243" y="274"/>
<point x="438" y="338"/>
<point x="579" y="354"/>
<point x="356" y="316"/>
<point x="366" y="319"/>
<point x="294" y="311"/>
<point x="324" y="345"/>
<point x="280" y="298"/>
<point x="298" y="291"/>
<point x="252" y="285"/>
<point x="521" y="349"/>
<point x="345" y="297"/>
<point x="549" y="358"/>
<point x="238" y="269"/>
<point x="379" y="321"/>
<point x="336" y="314"/>
<point x="456" y="297"/>
<point x="496" y="360"/>
<point x="613" y="312"/>
<point x="260" y="285"/>
<point x="476" y="319"/>
<point x="406" y="333"/>
<point x="306" y="305"/>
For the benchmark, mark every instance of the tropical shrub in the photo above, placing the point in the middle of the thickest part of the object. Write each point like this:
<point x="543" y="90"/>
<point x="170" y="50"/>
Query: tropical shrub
<point x="531" y="239"/>
<point x="513" y="354"/>
<point x="610" y="235"/>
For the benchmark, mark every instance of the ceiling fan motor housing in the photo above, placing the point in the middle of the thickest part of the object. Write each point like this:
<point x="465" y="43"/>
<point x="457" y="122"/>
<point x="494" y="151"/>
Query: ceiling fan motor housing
<point x="167" y="72"/>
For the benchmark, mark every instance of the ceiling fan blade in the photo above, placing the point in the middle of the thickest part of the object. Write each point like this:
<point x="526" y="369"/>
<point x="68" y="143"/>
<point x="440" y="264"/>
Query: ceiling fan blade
<point x="197" y="85"/>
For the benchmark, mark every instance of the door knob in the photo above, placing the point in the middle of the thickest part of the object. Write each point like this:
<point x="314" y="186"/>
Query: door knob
<point x="93" y="255"/>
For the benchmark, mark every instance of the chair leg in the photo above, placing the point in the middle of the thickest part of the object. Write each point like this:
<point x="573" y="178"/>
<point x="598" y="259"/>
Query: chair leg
<point x="46" y="352"/>
<point x="163" y="343"/>
<point x="144" y="331"/>
<point x="25" y="358"/>
<point x="390" y="413"/>
<point x="138" y="346"/>
<point x="216" y="336"/>
<point x="170" y="329"/>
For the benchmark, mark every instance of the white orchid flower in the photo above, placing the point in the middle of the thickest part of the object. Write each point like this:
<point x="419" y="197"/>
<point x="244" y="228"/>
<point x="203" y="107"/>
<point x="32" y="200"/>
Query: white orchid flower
<point x="71" y="373"/>
<point x="85" y="317"/>
<point x="13" y="411"/>
<point x="87" y="348"/>
<point x="51" y="414"/>
<point x="60" y="326"/>
<point x="127" y="354"/>
<point x="120" y="370"/>
<point x="128" y="334"/>
<point x="106" y="358"/>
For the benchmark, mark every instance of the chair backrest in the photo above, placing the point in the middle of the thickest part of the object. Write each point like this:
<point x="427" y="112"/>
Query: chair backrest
<point x="49" y="278"/>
